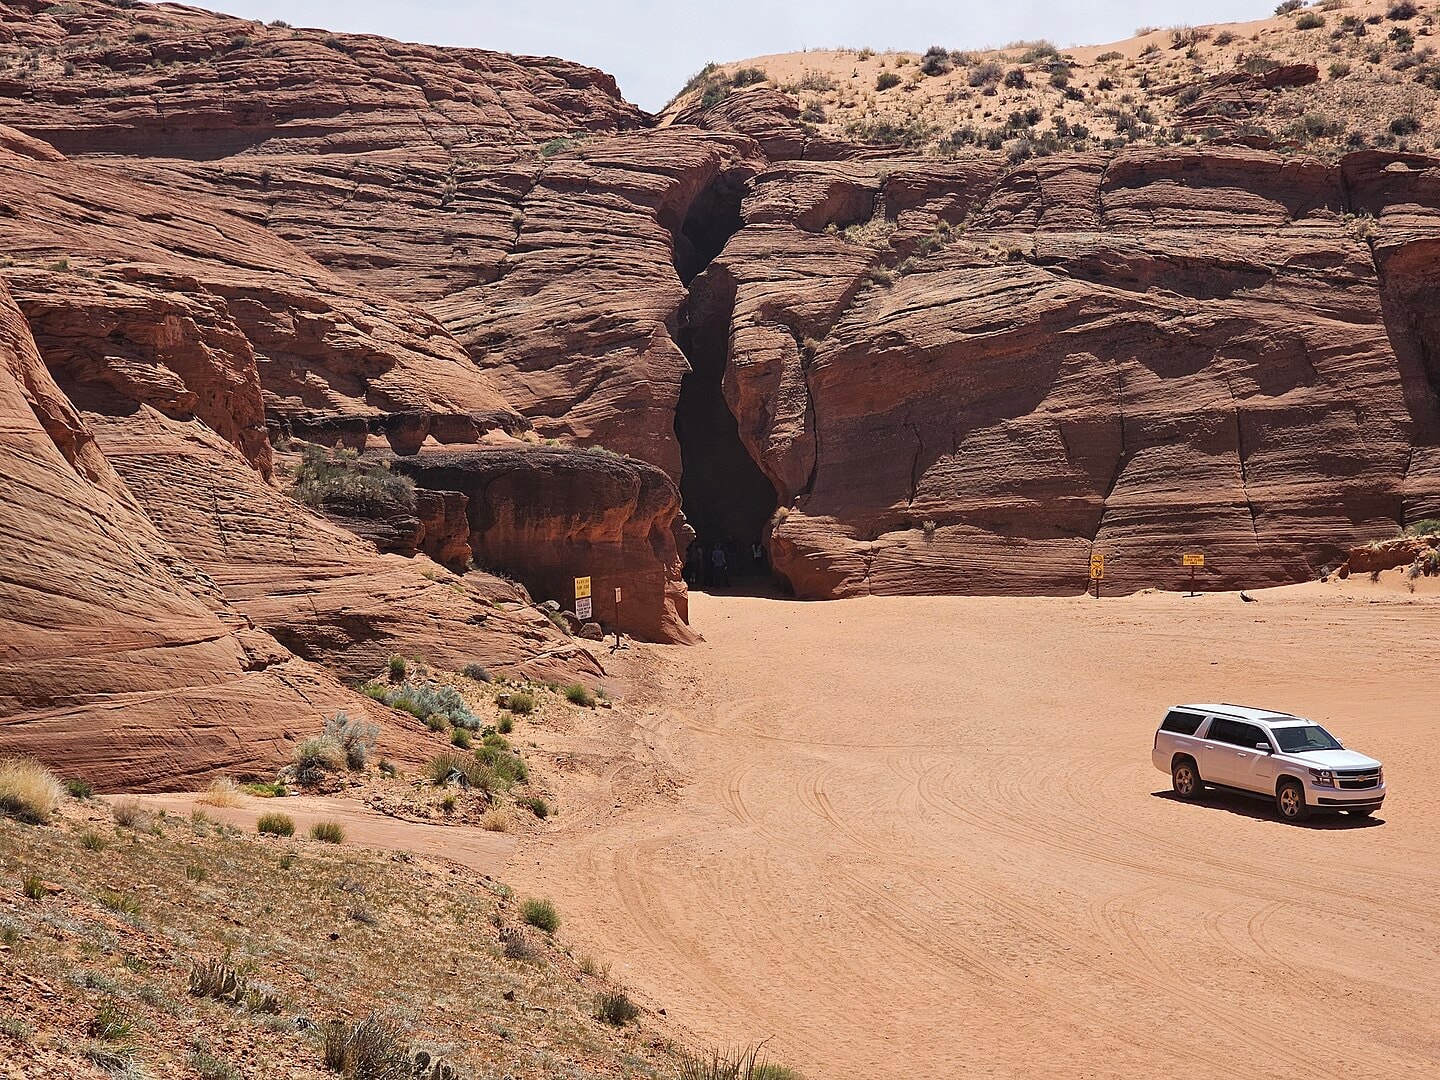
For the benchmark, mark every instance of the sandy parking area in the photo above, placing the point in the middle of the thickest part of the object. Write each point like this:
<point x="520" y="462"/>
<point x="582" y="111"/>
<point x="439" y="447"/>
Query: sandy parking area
<point x="922" y="837"/>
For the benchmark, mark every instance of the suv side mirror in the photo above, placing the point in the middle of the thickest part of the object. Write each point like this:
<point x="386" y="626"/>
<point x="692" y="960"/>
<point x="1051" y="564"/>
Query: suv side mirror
<point x="1263" y="747"/>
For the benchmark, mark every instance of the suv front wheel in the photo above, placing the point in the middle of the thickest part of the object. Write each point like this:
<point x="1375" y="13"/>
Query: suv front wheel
<point x="1290" y="801"/>
<point x="1185" y="778"/>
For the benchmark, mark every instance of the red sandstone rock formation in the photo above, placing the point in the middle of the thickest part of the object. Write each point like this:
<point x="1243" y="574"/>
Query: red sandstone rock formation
<point x="120" y="662"/>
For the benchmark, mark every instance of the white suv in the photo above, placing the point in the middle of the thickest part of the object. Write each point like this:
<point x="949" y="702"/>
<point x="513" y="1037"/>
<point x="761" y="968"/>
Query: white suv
<point x="1257" y="752"/>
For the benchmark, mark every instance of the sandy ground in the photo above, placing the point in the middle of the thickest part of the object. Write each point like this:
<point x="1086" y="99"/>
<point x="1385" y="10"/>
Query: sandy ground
<point x="485" y="852"/>
<point x="923" y="837"/>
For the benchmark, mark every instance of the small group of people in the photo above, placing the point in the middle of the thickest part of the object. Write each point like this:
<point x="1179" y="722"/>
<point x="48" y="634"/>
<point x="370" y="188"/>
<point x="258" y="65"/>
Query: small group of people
<point x="711" y="564"/>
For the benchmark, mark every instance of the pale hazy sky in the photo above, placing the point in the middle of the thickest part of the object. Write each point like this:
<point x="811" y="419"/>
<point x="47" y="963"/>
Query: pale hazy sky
<point x="653" y="47"/>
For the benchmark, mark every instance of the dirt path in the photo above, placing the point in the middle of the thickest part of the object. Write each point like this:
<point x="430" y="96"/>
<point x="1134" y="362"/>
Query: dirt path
<point x="485" y="852"/>
<point x="922" y="837"/>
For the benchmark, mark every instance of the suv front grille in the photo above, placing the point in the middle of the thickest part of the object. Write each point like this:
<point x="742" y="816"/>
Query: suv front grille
<point x="1362" y="778"/>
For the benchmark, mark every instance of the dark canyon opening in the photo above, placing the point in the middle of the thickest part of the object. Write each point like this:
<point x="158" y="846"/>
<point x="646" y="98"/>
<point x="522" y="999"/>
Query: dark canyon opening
<point x="727" y="498"/>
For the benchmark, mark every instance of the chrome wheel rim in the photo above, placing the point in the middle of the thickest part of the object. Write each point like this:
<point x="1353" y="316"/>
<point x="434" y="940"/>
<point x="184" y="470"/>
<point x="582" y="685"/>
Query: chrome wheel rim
<point x="1184" y="781"/>
<point x="1289" y="802"/>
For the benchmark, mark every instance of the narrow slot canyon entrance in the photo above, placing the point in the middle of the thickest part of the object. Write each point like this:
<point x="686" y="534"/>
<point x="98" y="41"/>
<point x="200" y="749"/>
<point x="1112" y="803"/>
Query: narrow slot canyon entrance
<point x="727" y="498"/>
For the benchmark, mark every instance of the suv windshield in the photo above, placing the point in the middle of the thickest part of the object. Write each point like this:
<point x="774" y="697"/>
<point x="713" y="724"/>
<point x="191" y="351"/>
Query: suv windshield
<point x="1297" y="740"/>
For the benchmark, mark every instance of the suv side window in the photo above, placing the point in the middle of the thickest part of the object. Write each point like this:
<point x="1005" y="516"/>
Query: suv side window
<point x="1236" y="734"/>
<point x="1181" y="723"/>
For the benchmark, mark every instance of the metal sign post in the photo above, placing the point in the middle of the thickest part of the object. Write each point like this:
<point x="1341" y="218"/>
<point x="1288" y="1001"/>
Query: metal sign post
<point x="617" y="618"/>
<point x="1097" y="571"/>
<point x="1194" y="560"/>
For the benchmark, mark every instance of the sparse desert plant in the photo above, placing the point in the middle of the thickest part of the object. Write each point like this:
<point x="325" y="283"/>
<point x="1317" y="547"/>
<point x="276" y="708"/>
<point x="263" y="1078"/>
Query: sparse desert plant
<point x="1402" y="11"/>
<point x="1423" y="527"/>
<point x="371" y="1049"/>
<point x="129" y="814"/>
<point x="222" y="792"/>
<point x="33" y="886"/>
<point x="118" y="902"/>
<point x="536" y="805"/>
<point x="447" y="767"/>
<point x="216" y="980"/>
<point x="339" y="482"/>
<point x="886" y="79"/>
<point x="460" y="738"/>
<point x="93" y="841"/>
<point x="276" y="825"/>
<point x="506" y="725"/>
<point x="29" y="792"/>
<point x="577" y="694"/>
<point x="615" y="1007"/>
<point x="522" y="704"/>
<point x="397" y="668"/>
<point x="118" y="1060"/>
<point x="316" y="756"/>
<point x="746" y="1065"/>
<point x="1285" y="7"/>
<point x="196" y="873"/>
<point x="328" y="832"/>
<point x="1309" y="20"/>
<point x="515" y="944"/>
<point x="495" y="821"/>
<point x="355" y="737"/>
<point x="264" y="789"/>
<point x="496" y="754"/>
<point x="476" y="672"/>
<point x="540" y="914"/>
<point x="110" y="1023"/>
<point x="78" y="789"/>
<point x="205" y="1064"/>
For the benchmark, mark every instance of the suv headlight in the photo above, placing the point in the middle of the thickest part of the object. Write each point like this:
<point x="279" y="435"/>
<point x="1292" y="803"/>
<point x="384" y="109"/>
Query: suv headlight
<point x="1322" y="777"/>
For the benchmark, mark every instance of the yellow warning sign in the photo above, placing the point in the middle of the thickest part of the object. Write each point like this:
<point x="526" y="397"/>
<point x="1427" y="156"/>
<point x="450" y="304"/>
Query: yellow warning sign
<point x="1192" y="559"/>
<point x="582" y="588"/>
<point x="1097" y="567"/>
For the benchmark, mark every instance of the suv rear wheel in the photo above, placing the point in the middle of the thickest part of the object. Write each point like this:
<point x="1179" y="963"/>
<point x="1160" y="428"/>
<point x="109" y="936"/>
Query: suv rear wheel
<point x="1290" y="801"/>
<point x="1185" y="778"/>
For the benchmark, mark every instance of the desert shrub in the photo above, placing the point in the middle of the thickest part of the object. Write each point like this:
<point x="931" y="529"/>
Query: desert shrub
<point x="1107" y="57"/>
<point x="29" y="792"/>
<point x="371" y="1049"/>
<point x="577" y="694"/>
<point x="205" y="1064"/>
<point x="1423" y="527"/>
<point x="476" y="672"/>
<point x="1404" y="125"/>
<point x="522" y="704"/>
<point x="328" y="832"/>
<point x="442" y="767"/>
<point x="216" y="980"/>
<point x="1285" y="7"/>
<point x="746" y="1065"/>
<point x="515" y="944"/>
<point x="1339" y="69"/>
<point x="814" y="113"/>
<point x="506" y="725"/>
<point x="1402" y="39"/>
<point x="886" y="79"/>
<point x="1185" y="37"/>
<point x="551" y="147"/>
<point x="815" y="81"/>
<point x="426" y="700"/>
<point x="891" y="131"/>
<point x="276" y="825"/>
<point x="33" y="886"/>
<point x="1310" y="20"/>
<point x="540" y="914"/>
<point x="129" y="814"/>
<point x="936" y="61"/>
<point x="110" y="1023"/>
<point x="615" y="1007"/>
<point x="356" y="739"/>
<point x="398" y="668"/>
<point x="78" y="789"/>
<point x="495" y="821"/>
<point x="1315" y="125"/>
<point x="987" y="73"/>
<point x="1225" y="37"/>
<point x="316" y="756"/>
<point x="339" y="482"/>
<point x="748" y="76"/>
<point x="264" y="789"/>
<point x="93" y="841"/>
<point x="507" y="766"/>
<point x="1402" y="11"/>
<point x="1015" y="79"/>
<point x="222" y="792"/>
<point x="460" y="739"/>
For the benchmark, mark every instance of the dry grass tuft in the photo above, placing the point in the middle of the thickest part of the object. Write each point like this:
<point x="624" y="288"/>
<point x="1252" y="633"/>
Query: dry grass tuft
<point x="223" y="792"/>
<point x="130" y="814"/>
<point x="29" y="792"/>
